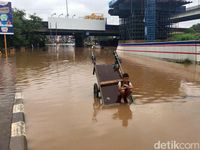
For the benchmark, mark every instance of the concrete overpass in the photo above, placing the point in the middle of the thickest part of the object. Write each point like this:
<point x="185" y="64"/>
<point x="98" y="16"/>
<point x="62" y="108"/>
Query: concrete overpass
<point x="111" y="30"/>
<point x="77" y="28"/>
<point x="192" y="13"/>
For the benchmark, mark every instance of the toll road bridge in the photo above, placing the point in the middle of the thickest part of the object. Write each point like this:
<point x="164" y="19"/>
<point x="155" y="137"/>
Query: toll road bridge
<point x="191" y="13"/>
<point x="110" y="30"/>
<point x="79" y="28"/>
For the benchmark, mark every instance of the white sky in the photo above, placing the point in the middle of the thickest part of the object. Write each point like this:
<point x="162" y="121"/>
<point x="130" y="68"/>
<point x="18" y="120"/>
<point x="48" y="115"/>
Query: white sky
<point x="80" y="8"/>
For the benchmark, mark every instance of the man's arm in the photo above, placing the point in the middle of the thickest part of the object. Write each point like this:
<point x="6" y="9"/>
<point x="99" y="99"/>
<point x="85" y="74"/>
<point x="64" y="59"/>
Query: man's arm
<point x="130" y="85"/>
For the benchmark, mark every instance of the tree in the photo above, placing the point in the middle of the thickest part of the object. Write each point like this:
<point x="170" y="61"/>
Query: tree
<point x="32" y="25"/>
<point x="19" y="22"/>
<point x="196" y="27"/>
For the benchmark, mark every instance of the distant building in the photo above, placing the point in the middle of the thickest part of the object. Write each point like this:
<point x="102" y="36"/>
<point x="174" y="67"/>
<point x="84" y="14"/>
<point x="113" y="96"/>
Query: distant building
<point x="146" y="19"/>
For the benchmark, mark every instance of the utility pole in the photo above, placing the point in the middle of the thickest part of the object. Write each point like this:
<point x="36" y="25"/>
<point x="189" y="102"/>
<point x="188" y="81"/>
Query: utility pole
<point x="67" y="9"/>
<point x="5" y="45"/>
<point x="56" y="33"/>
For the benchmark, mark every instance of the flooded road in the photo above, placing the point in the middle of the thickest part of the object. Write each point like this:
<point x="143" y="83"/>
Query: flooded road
<point x="7" y="93"/>
<point x="61" y="114"/>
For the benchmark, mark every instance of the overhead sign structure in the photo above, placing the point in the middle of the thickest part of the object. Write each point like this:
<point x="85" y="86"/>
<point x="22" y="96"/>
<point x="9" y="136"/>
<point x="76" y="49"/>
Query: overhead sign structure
<point x="6" y="18"/>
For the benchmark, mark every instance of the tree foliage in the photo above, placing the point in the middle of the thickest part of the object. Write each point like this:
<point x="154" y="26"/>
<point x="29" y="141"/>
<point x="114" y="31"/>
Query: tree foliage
<point x="19" y="21"/>
<point x="196" y="27"/>
<point x="192" y="33"/>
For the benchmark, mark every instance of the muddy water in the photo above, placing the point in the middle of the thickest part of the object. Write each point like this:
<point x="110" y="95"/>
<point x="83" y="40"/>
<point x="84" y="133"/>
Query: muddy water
<point x="7" y="93"/>
<point x="61" y="114"/>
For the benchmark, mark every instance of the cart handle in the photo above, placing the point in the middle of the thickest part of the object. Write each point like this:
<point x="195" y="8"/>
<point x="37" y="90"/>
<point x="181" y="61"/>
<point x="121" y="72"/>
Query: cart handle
<point x="93" y="57"/>
<point x="103" y="83"/>
<point x="118" y="62"/>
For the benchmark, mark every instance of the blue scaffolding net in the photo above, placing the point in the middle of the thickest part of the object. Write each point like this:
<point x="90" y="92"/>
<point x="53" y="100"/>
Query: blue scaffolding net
<point x="150" y="20"/>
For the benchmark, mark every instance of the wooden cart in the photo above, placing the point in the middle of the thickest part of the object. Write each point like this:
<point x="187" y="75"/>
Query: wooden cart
<point x="108" y="76"/>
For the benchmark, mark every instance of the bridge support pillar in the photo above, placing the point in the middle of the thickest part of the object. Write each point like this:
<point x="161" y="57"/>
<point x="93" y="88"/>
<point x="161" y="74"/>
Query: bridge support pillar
<point x="79" y="39"/>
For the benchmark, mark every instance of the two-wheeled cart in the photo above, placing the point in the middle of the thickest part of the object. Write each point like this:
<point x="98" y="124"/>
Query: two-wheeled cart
<point x="108" y="77"/>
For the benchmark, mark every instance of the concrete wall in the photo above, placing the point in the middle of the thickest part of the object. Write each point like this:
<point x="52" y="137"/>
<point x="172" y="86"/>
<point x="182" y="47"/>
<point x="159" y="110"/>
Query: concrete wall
<point x="76" y="24"/>
<point x="198" y="51"/>
<point x="178" y="51"/>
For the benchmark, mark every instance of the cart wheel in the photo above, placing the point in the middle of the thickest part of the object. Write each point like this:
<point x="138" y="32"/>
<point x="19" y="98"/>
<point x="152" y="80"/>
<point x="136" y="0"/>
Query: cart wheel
<point x="96" y="91"/>
<point x="131" y="99"/>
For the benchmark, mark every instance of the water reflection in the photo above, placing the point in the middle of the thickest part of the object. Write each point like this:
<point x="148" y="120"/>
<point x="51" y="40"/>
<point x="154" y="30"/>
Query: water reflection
<point x="122" y="112"/>
<point x="61" y="52"/>
<point x="97" y="106"/>
<point x="189" y="89"/>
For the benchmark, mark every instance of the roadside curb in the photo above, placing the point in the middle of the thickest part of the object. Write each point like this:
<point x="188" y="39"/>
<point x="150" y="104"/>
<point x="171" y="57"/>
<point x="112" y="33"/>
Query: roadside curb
<point x="18" y="139"/>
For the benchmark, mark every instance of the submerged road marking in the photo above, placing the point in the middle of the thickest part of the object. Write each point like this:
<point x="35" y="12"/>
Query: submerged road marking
<point x="18" y="95"/>
<point x="18" y="108"/>
<point x="18" y="129"/>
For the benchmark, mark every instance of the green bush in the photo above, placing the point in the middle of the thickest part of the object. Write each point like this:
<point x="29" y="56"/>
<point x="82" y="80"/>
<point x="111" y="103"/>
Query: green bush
<point x="185" y="37"/>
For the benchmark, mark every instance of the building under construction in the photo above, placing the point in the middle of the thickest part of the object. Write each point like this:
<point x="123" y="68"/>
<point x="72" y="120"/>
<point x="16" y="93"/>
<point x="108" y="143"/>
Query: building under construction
<point x="146" y="19"/>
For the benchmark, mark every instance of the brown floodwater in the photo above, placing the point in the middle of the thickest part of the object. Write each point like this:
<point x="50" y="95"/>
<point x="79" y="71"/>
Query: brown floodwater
<point x="61" y="114"/>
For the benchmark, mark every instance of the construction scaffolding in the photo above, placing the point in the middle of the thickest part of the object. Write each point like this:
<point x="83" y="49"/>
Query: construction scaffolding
<point x="146" y="19"/>
<point x="150" y="20"/>
<point x="132" y="26"/>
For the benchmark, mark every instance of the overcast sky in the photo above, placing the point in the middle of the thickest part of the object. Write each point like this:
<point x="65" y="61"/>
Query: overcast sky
<point x="80" y="8"/>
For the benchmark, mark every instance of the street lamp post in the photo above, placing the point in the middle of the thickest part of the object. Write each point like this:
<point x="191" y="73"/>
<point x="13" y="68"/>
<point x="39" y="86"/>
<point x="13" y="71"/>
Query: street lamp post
<point x="67" y="9"/>
<point x="56" y="32"/>
<point x="51" y="27"/>
<point x="57" y="27"/>
<point x="50" y="33"/>
<point x="53" y="14"/>
<point x="60" y="15"/>
<point x="73" y="16"/>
